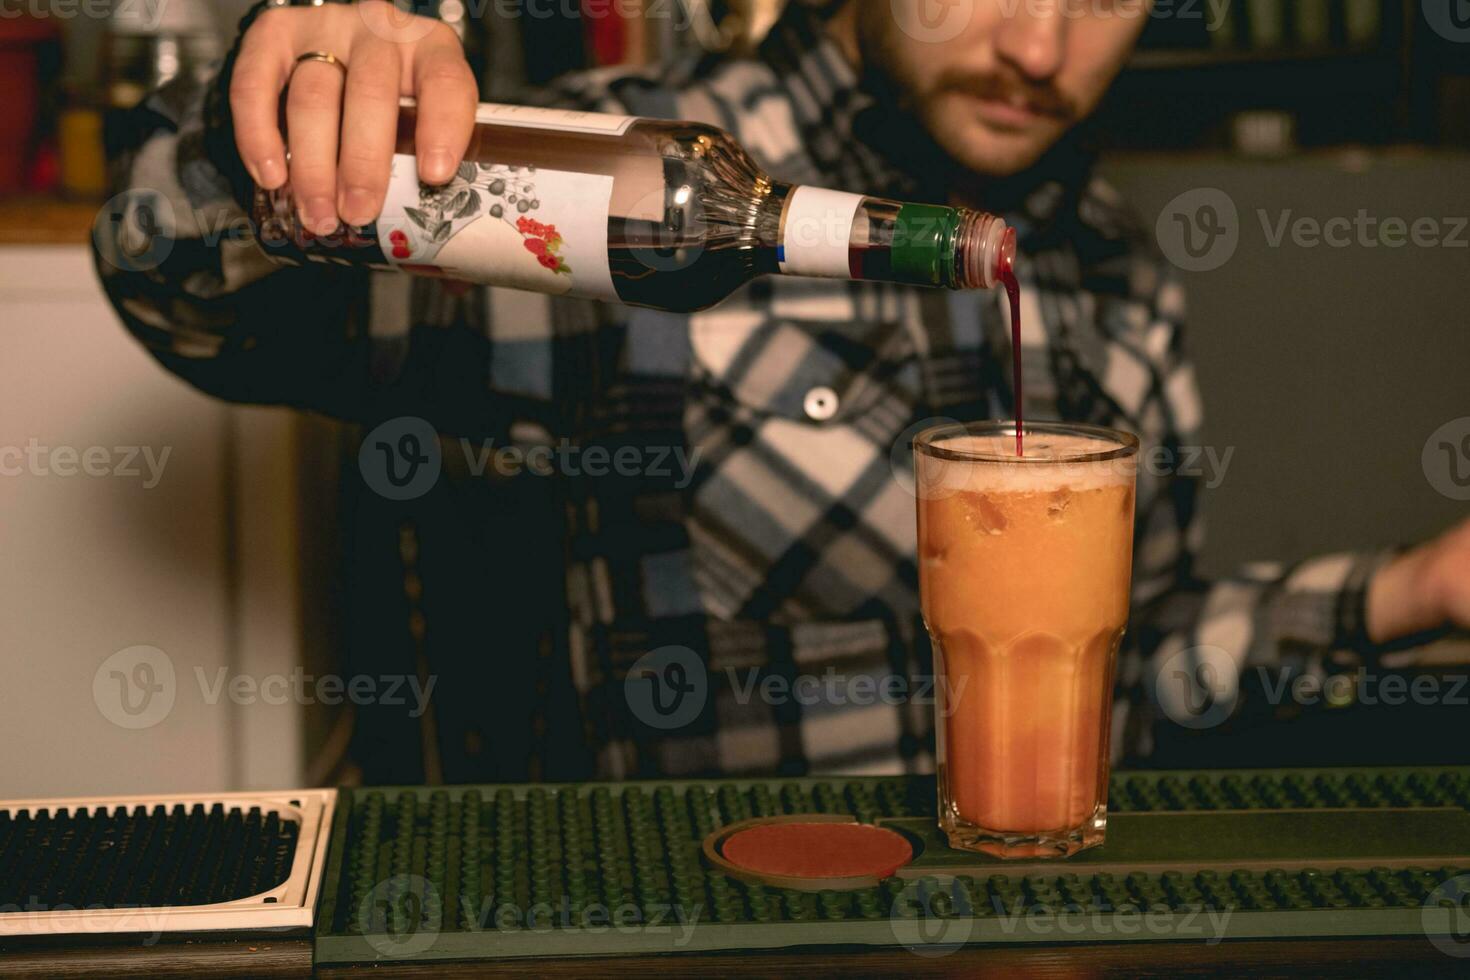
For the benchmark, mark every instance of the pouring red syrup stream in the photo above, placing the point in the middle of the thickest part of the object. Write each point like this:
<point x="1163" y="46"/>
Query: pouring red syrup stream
<point x="1013" y="294"/>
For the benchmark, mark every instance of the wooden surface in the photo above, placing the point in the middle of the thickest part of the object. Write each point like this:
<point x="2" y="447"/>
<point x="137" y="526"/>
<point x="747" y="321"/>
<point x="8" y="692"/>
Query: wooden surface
<point x="264" y="958"/>
<point x="46" y="221"/>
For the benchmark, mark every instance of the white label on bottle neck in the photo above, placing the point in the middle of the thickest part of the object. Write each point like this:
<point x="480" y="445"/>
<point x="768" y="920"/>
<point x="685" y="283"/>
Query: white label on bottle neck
<point x="562" y="120"/>
<point x="516" y="226"/>
<point x="816" y="231"/>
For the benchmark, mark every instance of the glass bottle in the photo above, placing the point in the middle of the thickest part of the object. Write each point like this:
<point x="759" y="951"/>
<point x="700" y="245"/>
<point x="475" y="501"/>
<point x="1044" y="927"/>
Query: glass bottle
<point x="670" y="215"/>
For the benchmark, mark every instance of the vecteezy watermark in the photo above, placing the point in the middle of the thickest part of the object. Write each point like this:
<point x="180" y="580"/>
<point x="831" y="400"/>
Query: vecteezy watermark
<point x="1363" y="230"/>
<point x="1208" y="464"/>
<point x="140" y="13"/>
<point x="1200" y="229"/>
<point x="123" y="462"/>
<point x="1203" y="923"/>
<point x="1197" y="686"/>
<point x="395" y="20"/>
<point x="936" y="916"/>
<point x="938" y="21"/>
<point x="1363" y="686"/>
<point x="933" y="21"/>
<point x="667" y="688"/>
<point x="901" y="463"/>
<point x="1446" y="459"/>
<point x="135" y="230"/>
<point x="645" y="919"/>
<point x="1445" y="917"/>
<point x="135" y="688"/>
<point x="138" y="688"/>
<point x="299" y="687"/>
<point x="146" y="921"/>
<point x="931" y="917"/>
<point x="677" y="463"/>
<point x="840" y="689"/>
<point x="402" y="916"/>
<point x="1450" y="19"/>
<point x="400" y="459"/>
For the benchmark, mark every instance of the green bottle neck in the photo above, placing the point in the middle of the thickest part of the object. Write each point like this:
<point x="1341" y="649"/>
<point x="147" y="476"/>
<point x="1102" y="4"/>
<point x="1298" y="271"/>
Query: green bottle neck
<point x="849" y="236"/>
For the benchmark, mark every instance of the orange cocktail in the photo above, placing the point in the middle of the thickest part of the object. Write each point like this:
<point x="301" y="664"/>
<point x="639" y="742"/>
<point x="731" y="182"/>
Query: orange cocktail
<point x="1024" y="572"/>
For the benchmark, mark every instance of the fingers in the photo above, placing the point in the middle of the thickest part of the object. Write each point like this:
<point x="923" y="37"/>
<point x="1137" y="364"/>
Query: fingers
<point x="261" y="70"/>
<point x="447" y="96"/>
<point x="369" y="131"/>
<point x="342" y="131"/>
<point x="313" y="118"/>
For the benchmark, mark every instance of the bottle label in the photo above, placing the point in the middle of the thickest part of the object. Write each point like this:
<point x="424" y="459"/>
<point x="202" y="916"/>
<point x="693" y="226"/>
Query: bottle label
<point x="816" y="232"/>
<point x="516" y="226"/>
<point x="563" y="120"/>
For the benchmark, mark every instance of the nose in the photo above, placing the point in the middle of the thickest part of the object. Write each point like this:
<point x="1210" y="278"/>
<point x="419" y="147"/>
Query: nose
<point x="1033" y="38"/>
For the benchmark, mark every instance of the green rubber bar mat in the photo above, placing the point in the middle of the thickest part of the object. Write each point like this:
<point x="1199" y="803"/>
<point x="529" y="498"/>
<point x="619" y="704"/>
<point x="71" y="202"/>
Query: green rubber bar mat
<point x="478" y="872"/>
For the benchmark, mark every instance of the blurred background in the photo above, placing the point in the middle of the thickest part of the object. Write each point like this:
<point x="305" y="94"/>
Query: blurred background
<point x="146" y="515"/>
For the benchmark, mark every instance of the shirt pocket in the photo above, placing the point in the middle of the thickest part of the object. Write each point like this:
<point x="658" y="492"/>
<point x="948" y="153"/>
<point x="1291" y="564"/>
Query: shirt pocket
<point x="810" y="353"/>
<point x="798" y="514"/>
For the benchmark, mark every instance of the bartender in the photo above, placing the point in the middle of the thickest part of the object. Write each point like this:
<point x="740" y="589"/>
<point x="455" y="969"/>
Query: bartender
<point x="785" y="547"/>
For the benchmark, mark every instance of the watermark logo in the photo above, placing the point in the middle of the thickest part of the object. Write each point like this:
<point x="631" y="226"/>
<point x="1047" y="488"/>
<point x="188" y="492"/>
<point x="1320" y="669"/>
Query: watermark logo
<point x="1197" y="687"/>
<point x="933" y="21"/>
<point x="1445" y="917"/>
<point x="135" y="688"/>
<point x="917" y="480"/>
<point x="401" y="459"/>
<point x="135" y="230"/>
<point x="401" y="917"/>
<point x="667" y="688"/>
<point x="1450" y="19"/>
<point x="1199" y="230"/>
<point x="395" y="21"/>
<point x="929" y="919"/>
<point x="1446" y="459"/>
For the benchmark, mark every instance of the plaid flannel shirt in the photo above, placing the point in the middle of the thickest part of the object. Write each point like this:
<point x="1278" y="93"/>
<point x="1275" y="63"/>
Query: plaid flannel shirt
<point x="788" y="552"/>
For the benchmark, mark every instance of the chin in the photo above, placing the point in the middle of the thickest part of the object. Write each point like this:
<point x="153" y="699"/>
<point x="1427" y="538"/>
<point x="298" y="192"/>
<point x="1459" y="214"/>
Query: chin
<point x="984" y="151"/>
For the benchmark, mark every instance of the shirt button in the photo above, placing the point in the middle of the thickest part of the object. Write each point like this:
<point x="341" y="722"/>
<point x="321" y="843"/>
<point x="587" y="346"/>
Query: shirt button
<point x="821" y="403"/>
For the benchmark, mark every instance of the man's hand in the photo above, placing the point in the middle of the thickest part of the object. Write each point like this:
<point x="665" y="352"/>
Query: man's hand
<point x="1422" y="589"/>
<point x="343" y="130"/>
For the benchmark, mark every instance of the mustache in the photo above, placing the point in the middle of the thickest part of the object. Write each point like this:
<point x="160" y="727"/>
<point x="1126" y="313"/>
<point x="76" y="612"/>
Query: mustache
<point x="1041" y="99"/>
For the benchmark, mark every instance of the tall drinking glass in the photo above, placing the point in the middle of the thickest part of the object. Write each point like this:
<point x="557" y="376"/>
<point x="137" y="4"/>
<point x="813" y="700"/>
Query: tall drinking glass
<point x="1024" y="574"/>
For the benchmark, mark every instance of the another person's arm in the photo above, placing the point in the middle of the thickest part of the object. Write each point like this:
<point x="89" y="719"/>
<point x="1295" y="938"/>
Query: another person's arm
<point x="1197" y="637"/>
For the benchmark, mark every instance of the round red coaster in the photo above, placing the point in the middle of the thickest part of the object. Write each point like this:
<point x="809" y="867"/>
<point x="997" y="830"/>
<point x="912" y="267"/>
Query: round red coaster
<point x="818" y="850"/>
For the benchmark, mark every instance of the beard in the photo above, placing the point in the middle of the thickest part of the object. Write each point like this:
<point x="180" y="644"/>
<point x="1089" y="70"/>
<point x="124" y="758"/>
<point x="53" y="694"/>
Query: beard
<point x="946" y="104"/>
